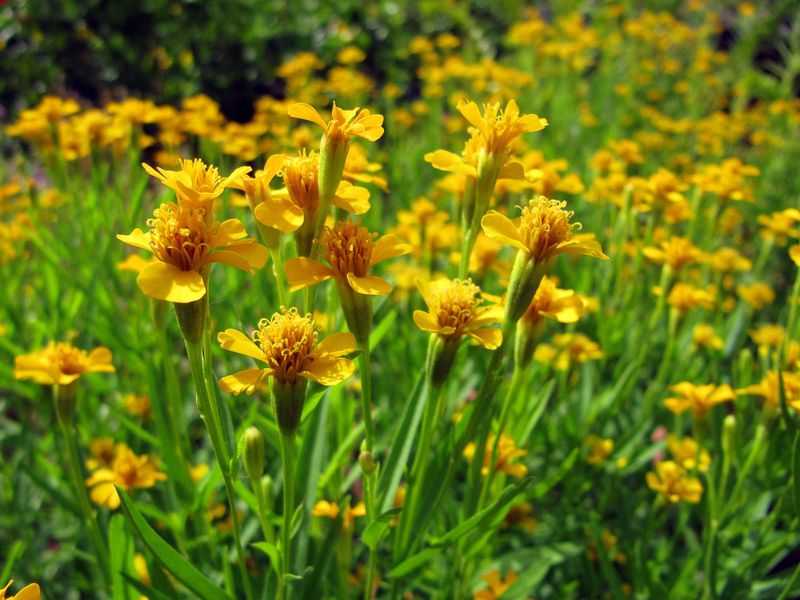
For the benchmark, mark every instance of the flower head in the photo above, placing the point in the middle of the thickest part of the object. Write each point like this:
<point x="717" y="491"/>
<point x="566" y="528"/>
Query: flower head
<point x="498" y="127"/>
<point x="29" y="592"/>
<point x="497" y="586"/>
<point x="688" y="454"/>
<point x="344" y="124"/>
<point x="699" y="398"/>
<point x="186" y="244"/>
<point x="350" y="250"/>
<point x="288" y="345"/>
<point x="61" y="364"/>
<point x="552" y="302"/>
<point x="196" y="183"/>
<point x="543" y="231"/>
<point x="507" y="451"/>
<point x="455" y="309"/>
<point x="128" y="472"/>
<point x="670" y="480"/>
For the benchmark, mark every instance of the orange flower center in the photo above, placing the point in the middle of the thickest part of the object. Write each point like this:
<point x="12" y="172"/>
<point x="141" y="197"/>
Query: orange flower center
<point x="70" y="360"/>
<point x="180" y="236"/>
<point x="287" y="340"/>
<point x="544" y="225"/>
<point x="454" y="304"/>
<point x="300" y="174"/>
<point x="348" y="248"/>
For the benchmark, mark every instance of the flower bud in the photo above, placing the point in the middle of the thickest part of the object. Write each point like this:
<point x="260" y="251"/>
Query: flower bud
<point x="254" y="454"/>
<point x="729" y="436"/>
<point x="526" y="275"/>
<point x="287" y="402"/>
<point x="367" y="462"/>
<point x="357" y="309"/>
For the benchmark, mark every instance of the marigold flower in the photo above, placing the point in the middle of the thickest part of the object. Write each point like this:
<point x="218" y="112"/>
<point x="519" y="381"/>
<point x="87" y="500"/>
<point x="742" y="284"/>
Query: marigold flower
<point x="599" y="449"/>
<point x="552" y="302"/>
<point x="769" y="389"/>
<point x="350" y="251"/>
<point x="676" y="252"/>
<point x="704" y="336"/>
<point x="727" y="260"/>
<point x="323" y="508"/>
<point x="520" y="515"/>
<point x="138" y="406"/>
<point x="757" y="295"/>
<point x="454" y="310"/>
<point x="358" y="122"/>
<point x="61" y="364"/>
<point x="699" y="398"/>
<point x="569" y="349"/>
<point x="688" y="454"/>
<point x="29" y="592"/>
<point x="499" y="127"/>
<point x="128" y="472"/>
<point x="671" y="482"/>
<point x="684" y="296"/>
<point x="496" y="586"/>
<point x="542" y="232"/>
<point x="287" y="344"/>
<point x="103" y="452"/>
<point x="507" y="451"/>
<point x="196" y="183"/>
<point x="185" y="245"/>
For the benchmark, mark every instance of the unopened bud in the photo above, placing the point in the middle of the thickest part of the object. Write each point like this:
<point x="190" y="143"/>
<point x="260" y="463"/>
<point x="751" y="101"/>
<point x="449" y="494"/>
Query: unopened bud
<point x="367" y="462"/>
<point x="253" y="454"/>
<point x="729" y="435"/>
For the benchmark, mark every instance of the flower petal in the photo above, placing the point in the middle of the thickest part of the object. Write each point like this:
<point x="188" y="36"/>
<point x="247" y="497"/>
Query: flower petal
<point x="336" y="344"/>
<point x="500" y="228"/>
<point x="281" y="214"/>
<point x="582" y="248"/>
<point x="164" y="281"/>
<point x="371" y="285"/>
<point x="472" y="114"/>
<point x="236" y="341"/>
<point x="329" y="370"/>
<point x="305" y="111"/>
<point x="243" y="381"/>
<point x="427" y="322"/>
<point x="447" y="161"/>
<point x="229" y="231"/>
<point x="302" y="272"/>
<point x="351" y="198"/>
<point x="387" y="247"/>
<point x="136" y="238"/>
<point x="489" y="338"/>
<point x="100" y="361"/>
<point x="249" y="256"/>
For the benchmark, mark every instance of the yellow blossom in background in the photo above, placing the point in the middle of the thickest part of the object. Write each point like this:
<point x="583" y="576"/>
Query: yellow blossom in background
<point x="499" y="127"/>
<point x="688" y="454"/>
<point x="507" y="451"/>
<point x="323" y="508"/>
<point x="757" y="295"/>
<point x="104" y="450"/>
<point x="671" y="481"/>
<point x="768" y="337"/>
<point x="683" y="297"/>
<point x="497" y="586"/>
<point x="769" y="389"/>
<point x="61" y="364"/>
<point x="699" y="398"/>
<point x="676" y="252"/>
<point x="129" y="472"/>
<point x="344" y="124"/>
<point x="704" y="336"/>
<point x="138" y="406"/>
<point x="552" y="302"/>
<point x="599" y="449"/>
<point x="519" y="515"/>
<point x="287" y="344"/>
<point x="568" y="349"/>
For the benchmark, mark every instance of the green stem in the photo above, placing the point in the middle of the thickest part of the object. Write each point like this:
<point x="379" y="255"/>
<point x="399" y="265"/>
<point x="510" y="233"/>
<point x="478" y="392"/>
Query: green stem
<point x="277" y="270"/>
<point x="287" y="459"/>
<point x="365" y="368"/>
<point x="263" y="512"/>
<point x="78" y="482"/>
<point x="209" y="412"/>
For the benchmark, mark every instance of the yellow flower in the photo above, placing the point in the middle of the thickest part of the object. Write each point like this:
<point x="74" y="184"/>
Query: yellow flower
<point x="570" y="349"/>
<point x="769" y="389"/>
<point x="671" y="482"/>
<point x="757" y="295"/>
<point x="704" y="336"/>
<point x="350" y="251"/>
<point x="699" y="398"/>
<point x="780" y="225"/>
<point x="103" y="452"/>
<point x="61" y="364"/>
<point x="138" y="406"/>
<point x="599" y="449"/>
<point x="128" y="472"/>
<point x="196" y="184"/>
<point x="270" y="210"/>
<point x="726" y="260"/>
<point x="185" y="245"/>
<point x="684" y="296"/>
<point x="323" y="508"/>
<point x="287" y="344"/>
<point x="344" y="124"/>
<point x="454" y="310"/>
<point x="676" y="252"/>
<point x="29" y="592"/>
<point x="520" y="515"/>
<point x="499" y="127"/>
<point x="688" y="454"/>
<point x="552" y="302"/>
<point x="768" y="337"/>
<point x="507" y="451"/>
<point x="542" y="232"/>
<point x="496" y="586"/>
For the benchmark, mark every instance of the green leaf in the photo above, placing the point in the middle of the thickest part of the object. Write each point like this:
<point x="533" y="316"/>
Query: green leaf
<point x="173" y="562"/>
<point x="413" y="562"/>
<point x="120" y="545"/>
<point x="482" y="518"/>
<point x="375" y="531"/>
<point x="402" y="443"/>
<point x="274" y="553"/>
<point x="147" y="591"/>
<point x="311" y="404"/>
<point x="538" y="562"/>
<point x="381" y="329"/>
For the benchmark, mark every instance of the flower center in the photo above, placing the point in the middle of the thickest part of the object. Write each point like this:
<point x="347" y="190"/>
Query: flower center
<point x="300" y="174"/>
<point x="454" y="304"/>
<point x="348" y="248"/>
<point x="287" y="340"/>
<point x="204" y="178"/>
<point x="180" y="236"/>
<point x="544" y="225"/>
<point x="70" y="360"/>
